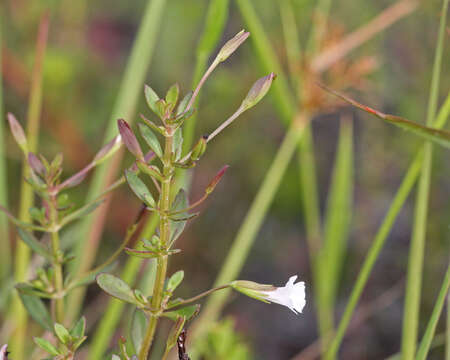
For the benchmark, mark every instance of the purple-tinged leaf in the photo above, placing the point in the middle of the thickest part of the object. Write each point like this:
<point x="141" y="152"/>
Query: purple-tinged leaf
<point x="129" y="139"/>
<point x="36" y="164"/>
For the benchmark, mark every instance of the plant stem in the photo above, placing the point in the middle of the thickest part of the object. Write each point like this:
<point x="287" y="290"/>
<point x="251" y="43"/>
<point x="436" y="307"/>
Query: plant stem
<point x="22" y="255"/>
<point x="201" y="295"/>
<point x="5" y="266"/>
<point x="164" y="231"/>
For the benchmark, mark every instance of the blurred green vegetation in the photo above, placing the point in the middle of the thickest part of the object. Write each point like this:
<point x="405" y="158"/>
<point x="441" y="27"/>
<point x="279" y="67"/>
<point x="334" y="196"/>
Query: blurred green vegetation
<point x="88" y="46"/>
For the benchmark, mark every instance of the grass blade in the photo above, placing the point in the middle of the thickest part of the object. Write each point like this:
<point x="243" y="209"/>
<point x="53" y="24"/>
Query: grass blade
<point x="336" y="228"/>
<point x="5" y="266"/>
<point x="22" y="255"/>
<point x="130" y="90"/>
<point x="432" y="323"/>
<point x="416" y="252"/>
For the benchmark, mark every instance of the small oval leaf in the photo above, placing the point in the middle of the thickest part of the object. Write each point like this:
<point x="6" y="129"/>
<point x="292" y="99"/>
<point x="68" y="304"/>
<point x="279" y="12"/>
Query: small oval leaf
<point x="116" y="287"/>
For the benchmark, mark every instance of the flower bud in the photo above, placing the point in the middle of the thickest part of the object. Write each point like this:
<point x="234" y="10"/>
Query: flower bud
<point x="231" y="46"/>
<point x="36" y="164"/>
<point x="210" y="188"/>
<point x="199" y="148"/>
<point x="18" y="133"/>
<point x="129" y="139"/>
<point x="258" y="91"/>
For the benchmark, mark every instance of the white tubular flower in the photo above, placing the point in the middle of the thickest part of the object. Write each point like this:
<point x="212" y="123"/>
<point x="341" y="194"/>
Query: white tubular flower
<point x="4" y="352"/>
<point x="291" y="295"/>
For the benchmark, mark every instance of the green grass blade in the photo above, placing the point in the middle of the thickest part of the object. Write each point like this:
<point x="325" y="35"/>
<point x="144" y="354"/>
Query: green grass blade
<point x="447" y="330"/>
<point x="374" y="251"/>
<point x="336" y="227"/>
<point x="22" y="254"/>
<point x="130" y="90"/>
<point x="5" y="266"/>
<point x="425" y="344"/>
<point x="416" y="254"/>
<point x="249" y="228"/>
<point x="115" y="308"/>
<point x="381" y="236"/>
<point x="216" y="18"/>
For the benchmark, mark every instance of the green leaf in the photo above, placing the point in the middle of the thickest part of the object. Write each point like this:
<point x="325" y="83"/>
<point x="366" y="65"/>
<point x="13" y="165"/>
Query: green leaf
<point x="151" y="139"/>
<point x="79" y="328"/>
<point x="37" y="310"/>
<point x="172" y="95"/>
<point x="138" y="329"/>
<point x="174" y="333"/>
<point x="47" y="346"/>
<point x="62" y="333"/>
<point x="184" y="217"/>
<point x="34" y="244"/>
<point x="81" y="212"/>
<point x="187" y="312"/>
<point x="175" y="280"/>
<point x="139" y="188"/>
<point x="151" y="97"/>
<point x="180" y="202"/>
<point x="177" y="144"/>
<point x="441" y="137"/>
<point x="116" y="287"/>
<point x="182" y="106"/>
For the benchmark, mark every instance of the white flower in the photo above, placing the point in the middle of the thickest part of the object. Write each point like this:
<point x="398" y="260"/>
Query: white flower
<point x="4" y="352"/>
<point x="291" y="295"/>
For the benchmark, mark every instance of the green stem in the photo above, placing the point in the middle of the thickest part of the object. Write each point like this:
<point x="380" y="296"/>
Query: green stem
<point x="5" y="266"/>
<point x="164" y="231"/>
<point x="425" y="344"/>
<point x="416" y="254"/>
<point x="57" y="268"/>
<point x="200" y="296"/>
<point x="22" y="256"/>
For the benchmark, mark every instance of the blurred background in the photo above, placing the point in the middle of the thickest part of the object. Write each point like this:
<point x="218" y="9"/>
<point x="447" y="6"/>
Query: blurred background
<point x="89" y="42"/>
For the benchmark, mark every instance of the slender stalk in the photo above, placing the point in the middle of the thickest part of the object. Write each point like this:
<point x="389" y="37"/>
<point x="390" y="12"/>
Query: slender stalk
<point x="201" y="295"/>
<point x="215" y="20"/>
<point x="432" y="323"/>
<point x="5" y="266"/>
<point x="135" y="72"/>
<point x="22" y="256"/>
<point x="416" y="254"/>
<point x="164" y="231"/>
<point x="249" y="228"/>
<point x="115" y="307"/>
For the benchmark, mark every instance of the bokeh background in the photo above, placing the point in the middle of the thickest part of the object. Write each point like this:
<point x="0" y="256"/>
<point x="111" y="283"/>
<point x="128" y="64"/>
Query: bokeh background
<point x="89" y="43"/>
